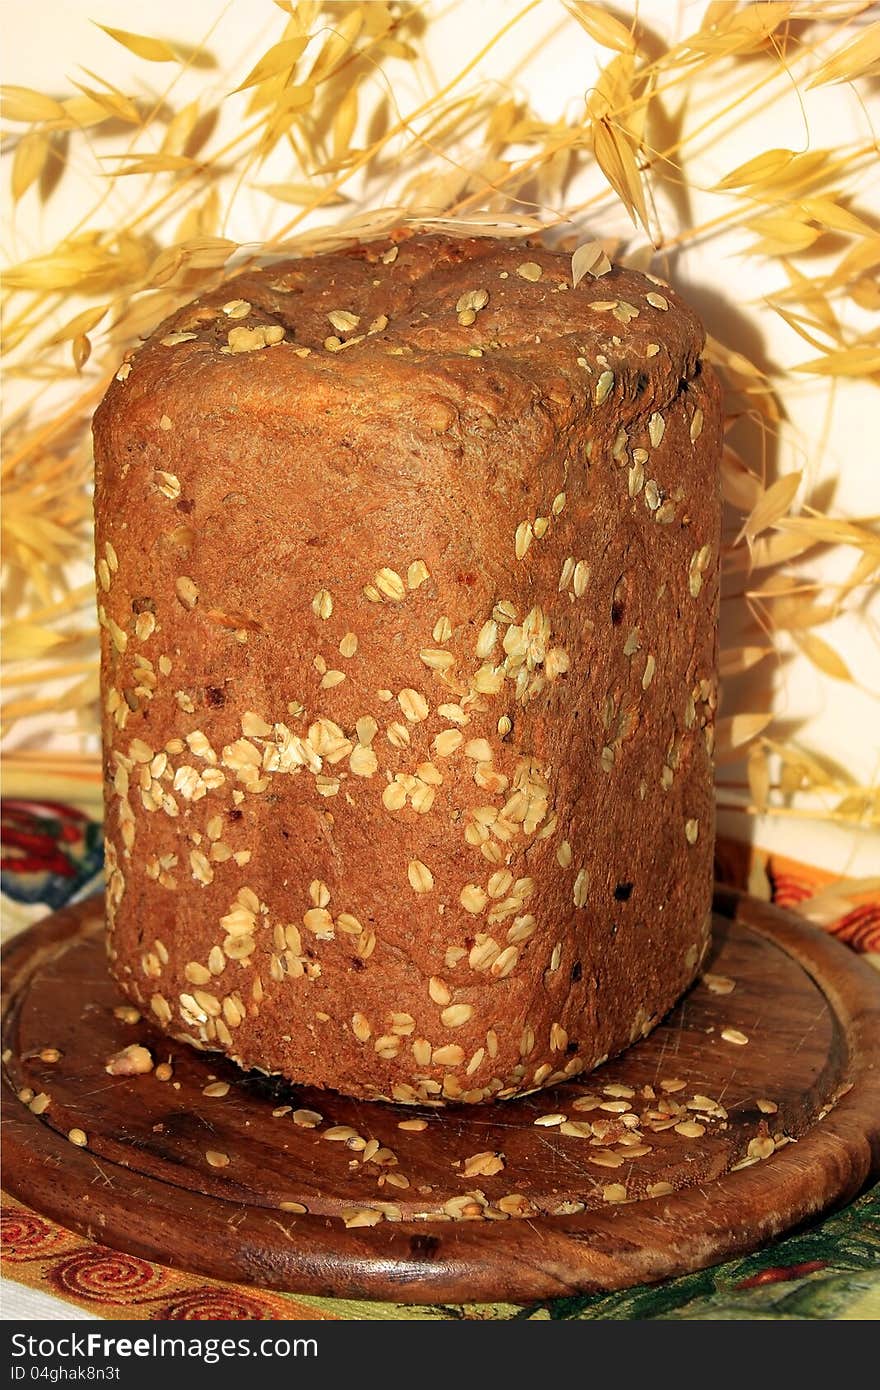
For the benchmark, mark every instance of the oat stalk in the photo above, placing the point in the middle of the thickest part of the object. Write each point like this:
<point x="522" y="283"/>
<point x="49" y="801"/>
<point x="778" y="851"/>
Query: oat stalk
<point x="362" y="157"/>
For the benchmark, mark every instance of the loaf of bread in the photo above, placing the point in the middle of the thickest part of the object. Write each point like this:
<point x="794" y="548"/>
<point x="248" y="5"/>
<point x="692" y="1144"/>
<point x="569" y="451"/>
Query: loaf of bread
<point x="407" y="563"/>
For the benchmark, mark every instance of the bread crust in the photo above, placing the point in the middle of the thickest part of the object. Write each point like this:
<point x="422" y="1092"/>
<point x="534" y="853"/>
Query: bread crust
<point x="408" y="666"/>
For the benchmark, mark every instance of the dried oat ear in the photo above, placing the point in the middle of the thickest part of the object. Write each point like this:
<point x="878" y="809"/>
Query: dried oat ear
<point x="173" y="246"/>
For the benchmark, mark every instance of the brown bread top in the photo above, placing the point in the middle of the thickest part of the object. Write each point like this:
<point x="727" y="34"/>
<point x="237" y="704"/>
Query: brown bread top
<point x="413" y="323"/>
<point x="409" y="642"/>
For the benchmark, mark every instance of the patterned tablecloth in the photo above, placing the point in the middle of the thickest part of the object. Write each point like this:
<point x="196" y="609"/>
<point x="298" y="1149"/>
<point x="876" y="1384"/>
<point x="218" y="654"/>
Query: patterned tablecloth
<point x="51" y="854"/>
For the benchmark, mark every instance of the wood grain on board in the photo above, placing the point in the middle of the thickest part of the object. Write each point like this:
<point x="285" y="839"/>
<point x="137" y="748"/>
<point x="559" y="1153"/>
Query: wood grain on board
<point x="746" y="1111"/>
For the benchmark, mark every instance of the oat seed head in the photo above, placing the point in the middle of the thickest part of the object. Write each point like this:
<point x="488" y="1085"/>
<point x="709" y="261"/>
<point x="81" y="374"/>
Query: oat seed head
<point x="170" y="246"/>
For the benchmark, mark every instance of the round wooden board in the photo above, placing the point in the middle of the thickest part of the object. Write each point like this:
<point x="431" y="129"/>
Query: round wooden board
<point x="549" y="1222"/>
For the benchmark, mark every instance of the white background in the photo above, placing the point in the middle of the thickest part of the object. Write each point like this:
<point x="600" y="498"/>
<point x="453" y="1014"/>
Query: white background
<point x="48" y="42"/>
